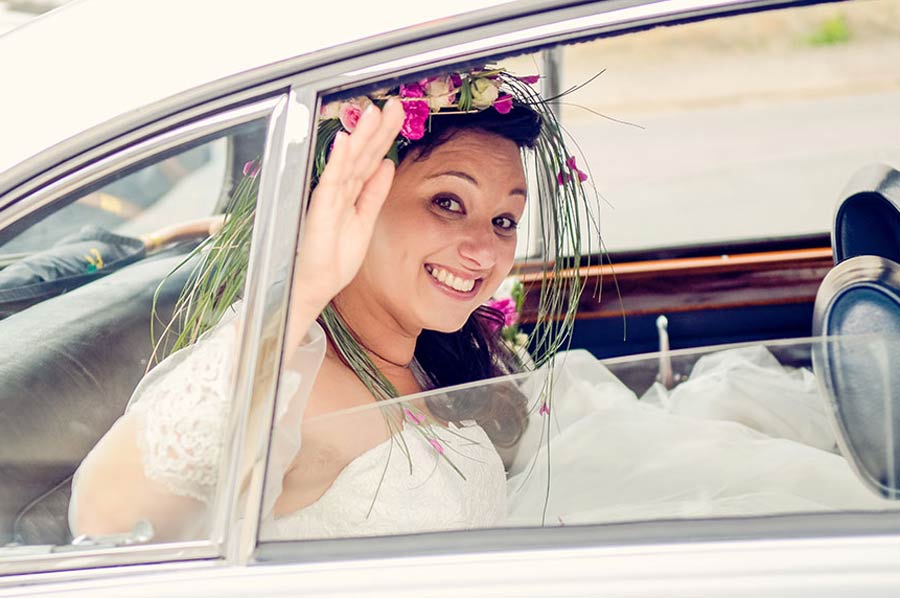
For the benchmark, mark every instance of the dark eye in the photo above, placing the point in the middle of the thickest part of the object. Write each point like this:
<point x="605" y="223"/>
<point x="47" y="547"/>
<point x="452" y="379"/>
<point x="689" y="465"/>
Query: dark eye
<point x="505" y="223"/>
<point x="448" y="203"/>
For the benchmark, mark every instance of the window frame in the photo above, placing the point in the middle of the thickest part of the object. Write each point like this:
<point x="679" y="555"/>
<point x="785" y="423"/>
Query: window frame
<point x="532" y="33"/>
<point x="122" y="154"/>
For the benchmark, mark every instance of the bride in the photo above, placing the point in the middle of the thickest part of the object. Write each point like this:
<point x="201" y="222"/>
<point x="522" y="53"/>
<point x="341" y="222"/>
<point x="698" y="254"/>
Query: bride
<point x="396" y="261"/>
<point x="404" y="256"/>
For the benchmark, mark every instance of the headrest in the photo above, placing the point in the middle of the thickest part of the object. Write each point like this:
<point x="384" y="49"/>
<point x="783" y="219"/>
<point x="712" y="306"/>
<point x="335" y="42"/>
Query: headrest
<point x="857" y="364"/>
<point x="89" y="254"/>
<point x="867" y="220"/>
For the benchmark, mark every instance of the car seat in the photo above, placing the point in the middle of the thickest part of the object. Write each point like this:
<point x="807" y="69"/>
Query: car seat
<point x="68" y="366"/>
<point x="857" y="314"/>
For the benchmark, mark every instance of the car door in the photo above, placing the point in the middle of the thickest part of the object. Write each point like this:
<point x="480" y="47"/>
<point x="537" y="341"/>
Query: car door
<point x="731" y="288"/>
<point x="94" y="264"/>
<point x="767" y="555"/>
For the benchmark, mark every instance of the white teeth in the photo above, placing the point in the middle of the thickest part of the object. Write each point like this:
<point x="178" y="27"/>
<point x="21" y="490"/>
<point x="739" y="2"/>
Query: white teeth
<point x="454" y="282"/>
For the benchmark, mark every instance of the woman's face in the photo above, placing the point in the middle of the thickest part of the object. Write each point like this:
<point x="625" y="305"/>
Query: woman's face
<point x="446" y="236"/>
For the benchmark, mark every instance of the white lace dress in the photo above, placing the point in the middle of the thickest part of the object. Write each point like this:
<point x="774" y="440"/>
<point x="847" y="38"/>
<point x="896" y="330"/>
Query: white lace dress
<point x="744" y="436"/>
<point x="180" y="409"/>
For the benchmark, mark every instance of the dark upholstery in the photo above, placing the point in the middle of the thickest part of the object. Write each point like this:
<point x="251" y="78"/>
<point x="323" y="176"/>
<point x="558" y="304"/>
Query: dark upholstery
<point x="858" y="365"/>
<point x="857" y="312"/>
<point x="867" y="221"/>
<point x="68" y="366"/>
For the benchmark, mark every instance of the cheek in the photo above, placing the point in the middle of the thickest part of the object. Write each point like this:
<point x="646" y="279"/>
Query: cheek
<point x="506" y="257"/>
<point x="400" y="239"/>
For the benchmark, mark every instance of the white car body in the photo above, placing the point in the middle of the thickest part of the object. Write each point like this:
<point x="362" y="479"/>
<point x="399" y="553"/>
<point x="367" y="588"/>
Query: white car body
<point x="122" y="72"/>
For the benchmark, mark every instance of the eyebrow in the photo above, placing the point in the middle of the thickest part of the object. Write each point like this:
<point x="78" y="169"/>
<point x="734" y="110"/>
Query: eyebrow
<point x="467" y="177"/>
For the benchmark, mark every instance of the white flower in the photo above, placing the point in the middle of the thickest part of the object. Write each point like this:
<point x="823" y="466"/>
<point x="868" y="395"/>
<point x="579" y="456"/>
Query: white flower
<point x="485" y="92"/>
<point x="330" y="110"/>
<point x="440" y="93"/>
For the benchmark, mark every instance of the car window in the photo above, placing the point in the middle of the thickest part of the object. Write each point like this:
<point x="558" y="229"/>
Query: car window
<point x="92" y="307"/>
<point x="733" y="129"/>
<point x="702" y="434"/>
<point x="729" y="433"/>
<point x="183" y="187"/>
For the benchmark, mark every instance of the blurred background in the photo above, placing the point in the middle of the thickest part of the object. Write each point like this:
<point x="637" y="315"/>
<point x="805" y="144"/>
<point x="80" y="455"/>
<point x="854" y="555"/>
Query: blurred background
<point x="718" y="132"/>
<point x="14" y="13"/>
<point x="738" y="129"/>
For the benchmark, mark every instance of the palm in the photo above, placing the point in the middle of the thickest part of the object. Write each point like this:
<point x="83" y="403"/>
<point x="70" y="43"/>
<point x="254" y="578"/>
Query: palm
<point x="345" y="205"/>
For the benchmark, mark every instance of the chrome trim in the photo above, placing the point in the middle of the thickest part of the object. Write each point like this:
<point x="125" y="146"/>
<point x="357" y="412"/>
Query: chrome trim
<point x="623" y="537"/>
<point x="872" y="271"/>
<point x="136" y="554"/>
<point x="131" y="155"/>
<point x="515" y="36"/>
<point x="23" y="581"/>
<point x="11" y="569"/>
<point x="273" y="249"/>
<point x="832" y="567"/>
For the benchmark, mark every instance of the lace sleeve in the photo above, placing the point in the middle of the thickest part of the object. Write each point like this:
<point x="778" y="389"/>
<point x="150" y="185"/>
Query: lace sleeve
<point x="181" y="413"/>
<point x="175" y="425"/>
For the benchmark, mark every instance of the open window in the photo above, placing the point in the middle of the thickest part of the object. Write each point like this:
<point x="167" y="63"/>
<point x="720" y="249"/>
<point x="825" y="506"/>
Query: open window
<point x="707" y="215"/>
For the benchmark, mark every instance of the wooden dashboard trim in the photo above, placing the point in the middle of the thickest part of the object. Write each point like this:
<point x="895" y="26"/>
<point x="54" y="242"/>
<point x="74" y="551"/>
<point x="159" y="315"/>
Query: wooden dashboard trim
<point x="691" y="284"/>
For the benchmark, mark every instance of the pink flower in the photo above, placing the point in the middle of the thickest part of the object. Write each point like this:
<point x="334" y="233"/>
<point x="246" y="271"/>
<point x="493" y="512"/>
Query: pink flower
<point x="413" y="90"/>
<point x="437" y="445"/>
<point x="351" y="111"/>
<point x="563" y="177"/>
<point x="507" y="307"/>
<point x="251" y="168"/>
<point x="545" y="409"/>
<point x="530" y="79"/>
<point x="503" y="104"/>
<point x="350" y="115"/>
<point x="417" y="114"/>
<point x="413" y="417"/>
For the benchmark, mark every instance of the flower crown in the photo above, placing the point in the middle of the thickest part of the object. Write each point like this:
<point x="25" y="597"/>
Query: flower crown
<point x="481" y="88"/>
<point x="562" y="199"/>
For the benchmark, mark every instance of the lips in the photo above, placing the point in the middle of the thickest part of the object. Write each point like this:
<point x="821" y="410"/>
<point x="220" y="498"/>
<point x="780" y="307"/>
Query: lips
<point x="450" y="281"/>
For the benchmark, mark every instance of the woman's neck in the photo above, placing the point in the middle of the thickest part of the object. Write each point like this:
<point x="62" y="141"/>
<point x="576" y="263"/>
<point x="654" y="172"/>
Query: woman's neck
<point x="386" y="341"/>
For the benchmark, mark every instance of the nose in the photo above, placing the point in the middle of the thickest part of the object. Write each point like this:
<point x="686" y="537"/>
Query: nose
<point x="478" y="248"/>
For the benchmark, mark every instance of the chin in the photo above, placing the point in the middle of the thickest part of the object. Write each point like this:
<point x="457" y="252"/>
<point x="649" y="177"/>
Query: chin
<point x="446" y="326"/>
<point x="446" y="323"/>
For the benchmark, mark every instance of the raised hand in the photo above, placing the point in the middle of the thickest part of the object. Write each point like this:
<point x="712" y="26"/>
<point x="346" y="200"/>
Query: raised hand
<point x="342" y="212"/>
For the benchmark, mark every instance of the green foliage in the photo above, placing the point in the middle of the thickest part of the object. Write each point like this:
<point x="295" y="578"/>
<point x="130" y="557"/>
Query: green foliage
<point x="830" y="32"/>
<point x="217" y="279"/>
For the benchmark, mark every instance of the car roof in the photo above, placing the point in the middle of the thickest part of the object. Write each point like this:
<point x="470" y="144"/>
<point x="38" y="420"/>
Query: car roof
<point x="91" y="61"/>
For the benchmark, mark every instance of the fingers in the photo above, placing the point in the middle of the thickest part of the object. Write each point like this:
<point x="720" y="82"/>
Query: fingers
<point x="337" y="163"/>
<point x="373" y="137"/>
<point x="356" y="157"/>
<point x="375" y="191"/>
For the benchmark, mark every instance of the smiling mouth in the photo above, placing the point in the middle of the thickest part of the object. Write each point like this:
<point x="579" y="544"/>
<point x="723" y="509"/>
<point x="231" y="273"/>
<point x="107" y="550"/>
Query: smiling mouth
<point x="451" y="282"/>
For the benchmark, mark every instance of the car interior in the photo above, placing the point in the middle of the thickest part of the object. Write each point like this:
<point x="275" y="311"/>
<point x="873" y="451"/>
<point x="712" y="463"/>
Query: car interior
<point x="79" y="323"/>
